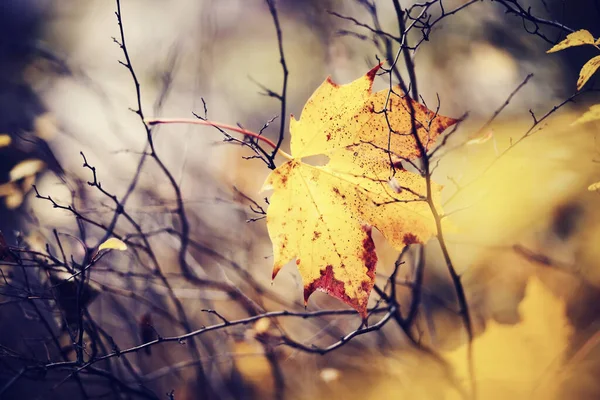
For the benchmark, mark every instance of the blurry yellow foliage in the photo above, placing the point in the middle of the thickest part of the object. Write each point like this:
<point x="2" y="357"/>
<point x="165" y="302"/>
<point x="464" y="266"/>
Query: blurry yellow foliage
<point x="516" y="362"/>
<point x="26" y="168"/>
<point x="252" y="364"/>
<point x="594" y="187"/>
<point x="5" y="140"/>
<point x="520" y="361"/>
<point x="593" y="114"/>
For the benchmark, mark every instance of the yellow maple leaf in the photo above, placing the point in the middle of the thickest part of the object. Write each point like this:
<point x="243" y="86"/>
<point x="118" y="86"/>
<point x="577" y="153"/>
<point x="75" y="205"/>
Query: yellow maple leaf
<point x="322" y="215"/>
<point x="578" y="38"/>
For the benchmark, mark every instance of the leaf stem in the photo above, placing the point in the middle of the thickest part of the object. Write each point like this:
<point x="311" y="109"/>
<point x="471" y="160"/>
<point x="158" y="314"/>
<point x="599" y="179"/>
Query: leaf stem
<point x="157" y="121"/>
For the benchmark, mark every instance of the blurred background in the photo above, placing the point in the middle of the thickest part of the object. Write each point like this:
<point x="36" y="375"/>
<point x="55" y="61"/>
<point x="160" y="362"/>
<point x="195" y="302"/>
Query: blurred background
<point x="525" y="227"/>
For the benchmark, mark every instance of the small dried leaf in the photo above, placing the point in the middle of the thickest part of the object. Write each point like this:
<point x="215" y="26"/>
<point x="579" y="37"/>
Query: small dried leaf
<point x="481" y="139"/>
<point x="594" y="187"/>
<point x="113" y="244"/>
<point x="5" y="140"/>
<point x="587" y="71"/>
<point x="578" y="38"/>
<point x="26" y="168"/>
<point x="593" y="114"/>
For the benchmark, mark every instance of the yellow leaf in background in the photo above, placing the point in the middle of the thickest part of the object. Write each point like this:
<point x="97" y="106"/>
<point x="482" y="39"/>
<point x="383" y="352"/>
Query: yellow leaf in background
<point x="26" y="168"/>
<point x="520" y="361"/>
<point x="14" y="200"/>
<point x="113" y="244"/>
<point x="322" y="215"/>
<point x="13" y="196"/>
<point x="593" y="114"/>
<point x="45" y="126"/>
<point x="5" y="140"/>
<point x="7" y="189"/>
<point x="262" y="325"/>
<point x="254" y="367"/>
<point x="587" y="71"/>
<point x="329" y="375"/>
<point x="594" y="186"/>
<point x="578" y="38"/>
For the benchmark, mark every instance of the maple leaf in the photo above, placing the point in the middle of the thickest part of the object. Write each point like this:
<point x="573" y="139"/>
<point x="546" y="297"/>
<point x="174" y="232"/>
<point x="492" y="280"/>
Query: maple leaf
<point x="322" y="215"/>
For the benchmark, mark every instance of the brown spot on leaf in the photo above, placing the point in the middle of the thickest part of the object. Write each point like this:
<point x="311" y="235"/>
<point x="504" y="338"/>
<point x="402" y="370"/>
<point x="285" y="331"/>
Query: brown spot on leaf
<point x="297" y="261"/>
<point x="366" y="286"/>
<point x="409" y="238"/>
<point x="337" y="191"/>
<point x="398" y="165"/>
<point x="328" y="137"/>
<point x="369" y="256"/>
<point x="316" y="235"/>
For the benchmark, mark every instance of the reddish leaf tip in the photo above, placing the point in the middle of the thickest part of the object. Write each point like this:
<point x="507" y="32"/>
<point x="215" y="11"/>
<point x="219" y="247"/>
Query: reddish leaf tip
<point x="336" y="288"/>
<point x="373" y="71"/>
<point x="331" y="82"/>
<point x="275" y="272"/>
